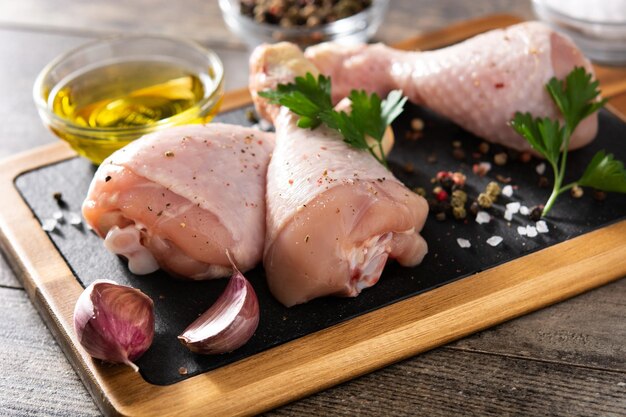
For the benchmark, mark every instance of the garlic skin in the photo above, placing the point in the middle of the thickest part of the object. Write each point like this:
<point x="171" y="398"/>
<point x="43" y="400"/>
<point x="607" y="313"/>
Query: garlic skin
<point x="229" y="323"/>
<point x="114" y="322"/>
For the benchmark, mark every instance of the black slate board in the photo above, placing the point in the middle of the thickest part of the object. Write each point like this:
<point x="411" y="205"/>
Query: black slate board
<point x="178" y="302"/>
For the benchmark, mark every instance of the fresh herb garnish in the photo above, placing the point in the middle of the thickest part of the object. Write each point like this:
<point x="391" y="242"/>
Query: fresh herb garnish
<point x="576" y="98"/>
<point x="310" y="99"/>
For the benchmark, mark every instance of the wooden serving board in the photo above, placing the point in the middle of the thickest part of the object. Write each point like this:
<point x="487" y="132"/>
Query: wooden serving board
<point x="330" y="356"/>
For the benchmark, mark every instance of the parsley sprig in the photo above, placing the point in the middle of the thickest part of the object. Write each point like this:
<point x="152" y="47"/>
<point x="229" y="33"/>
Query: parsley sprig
<point x="310" y="99"/>
<point x="576" y="98"/>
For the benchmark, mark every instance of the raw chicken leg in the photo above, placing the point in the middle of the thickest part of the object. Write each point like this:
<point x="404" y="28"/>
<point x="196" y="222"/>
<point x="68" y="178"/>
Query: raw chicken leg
<point x="479" y="84"/>
<point x="334" y="214"/>
<point x="178" y="199"/>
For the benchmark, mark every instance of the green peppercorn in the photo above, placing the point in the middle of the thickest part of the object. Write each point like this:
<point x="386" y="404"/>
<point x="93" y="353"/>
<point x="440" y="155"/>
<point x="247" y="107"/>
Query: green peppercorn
<point x="485" y="200"/>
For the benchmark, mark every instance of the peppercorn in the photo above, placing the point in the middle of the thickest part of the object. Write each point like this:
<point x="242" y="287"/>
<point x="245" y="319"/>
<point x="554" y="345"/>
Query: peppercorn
<point x="420" y="191"/>
<point x="474" y="208"/>
<point x="459" y="179"/>
<point x="456" y="144"/>
<point x="417" y="124"/>
<point x="459" y="198"/>
<point x="598" y="195"/>
<point x="525" y="157"/>
<point x="458" y="154"/>
<point x="544" y="182"/>
<point x="576" y="191"/>
<point x="485" y="200"/>
<point x="447" y="183"/>
<point x="493" y="189"/>
<point x="459" y="212"/>
<point x="441" y="216"/>
<point x="500" y="158"/>
<point x="440" y="194"/>
<point x="535" y="213"/>
<point x="483" y="148"/>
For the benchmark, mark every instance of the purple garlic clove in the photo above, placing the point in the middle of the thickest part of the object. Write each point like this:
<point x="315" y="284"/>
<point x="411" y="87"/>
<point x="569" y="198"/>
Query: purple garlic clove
<point x="113" y="322"/>
<point x="229" y="323"/>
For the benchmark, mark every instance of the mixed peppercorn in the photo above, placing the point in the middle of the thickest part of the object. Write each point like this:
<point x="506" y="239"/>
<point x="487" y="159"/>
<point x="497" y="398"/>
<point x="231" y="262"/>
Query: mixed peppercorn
<point x="310" y="13"/>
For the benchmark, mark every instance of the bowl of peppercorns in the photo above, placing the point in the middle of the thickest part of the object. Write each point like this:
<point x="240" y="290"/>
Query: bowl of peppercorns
<point x="304" y="22"/>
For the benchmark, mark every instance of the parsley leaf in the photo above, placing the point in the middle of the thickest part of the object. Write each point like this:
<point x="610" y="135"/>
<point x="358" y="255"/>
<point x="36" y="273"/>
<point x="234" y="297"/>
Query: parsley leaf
<point x="368" y="119"/>
<point x="576" y="97"/>
<point x="546" y="136"/>
<point x="604" y="173"/>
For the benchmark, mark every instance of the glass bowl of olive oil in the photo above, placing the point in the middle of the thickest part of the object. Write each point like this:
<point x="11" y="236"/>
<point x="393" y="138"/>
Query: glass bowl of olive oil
<point x="105" y="94"/>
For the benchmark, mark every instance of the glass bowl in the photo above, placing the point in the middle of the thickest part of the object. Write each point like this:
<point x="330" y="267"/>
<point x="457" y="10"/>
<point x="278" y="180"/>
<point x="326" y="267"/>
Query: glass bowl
<point x="357" y="28"/>
<point x="106" y="93"/>
<point x="598" y="28"/>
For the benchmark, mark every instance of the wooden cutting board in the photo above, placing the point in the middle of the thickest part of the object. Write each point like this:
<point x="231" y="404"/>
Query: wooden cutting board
<point x="330" y="356"/>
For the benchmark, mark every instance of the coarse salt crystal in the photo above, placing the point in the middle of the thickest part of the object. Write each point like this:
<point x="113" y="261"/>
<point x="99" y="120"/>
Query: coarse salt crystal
<point x="521" y="230"/>
<point x="57" y="215"/>
<point x="513" y="207"/>
<point x="507" y="191"/>
<point x="74" y="219"/>
<point x="494" y="240"/>
<point x="542" y="227"/>
<point x="464" y="243"/>
<point x="482" y="217"/>
<point x="49" y="225"/>
<point x="541" y="168"/>
<point x="531" y="231"/>
<point x="524" y="211"/>
<point x="508" y="215"/>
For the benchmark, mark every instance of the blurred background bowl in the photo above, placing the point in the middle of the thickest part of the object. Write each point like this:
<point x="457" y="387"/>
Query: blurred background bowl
<point x="357" y="28"/>
<point x="138" y="83"/>
<point x="597" y="27"/>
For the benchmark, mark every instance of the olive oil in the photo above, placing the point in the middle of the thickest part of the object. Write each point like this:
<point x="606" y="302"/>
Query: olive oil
<point x="124" y="100"/>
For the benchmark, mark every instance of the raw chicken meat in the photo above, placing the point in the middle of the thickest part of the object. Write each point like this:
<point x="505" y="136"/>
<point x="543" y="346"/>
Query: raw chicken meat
<point x="479" y="84"/>
<point x="180" y="198"/>
<point x="334" y="214"/>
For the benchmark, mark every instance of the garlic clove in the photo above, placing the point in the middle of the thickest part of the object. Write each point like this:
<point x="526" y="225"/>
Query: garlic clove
<point x="114" y="322"/>
<point x="229" y="323"/>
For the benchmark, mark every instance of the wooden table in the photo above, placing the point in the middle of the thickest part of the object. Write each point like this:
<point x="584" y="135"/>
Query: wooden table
<point x="569" y="359"/>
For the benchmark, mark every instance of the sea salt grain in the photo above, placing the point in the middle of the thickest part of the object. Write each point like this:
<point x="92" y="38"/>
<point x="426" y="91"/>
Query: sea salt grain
<point x="521" y="230"/>
<point x="524" y="211"/>
<point x="531" y="231"/>
<point x="74" y="219"/>
<point x="508" y="215"/>
<point x="482" y="217"/>
<point x="507" y="191"/>
<point x="49" y="225"/>
<point x="57" y="215"/>
<point x="541" y="168"/>
<point x="494" y="240"/>
<point x="464" y="243"/>
<point x="541" y="226"/>
<point x="513" y="207"/>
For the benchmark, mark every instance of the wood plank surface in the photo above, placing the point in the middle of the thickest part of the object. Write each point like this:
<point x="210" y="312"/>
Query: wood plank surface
<point x="35" y="372"/>
<point x="584" y="332"/>
<point x="438" y="384"/>
<point x="392" y="391"/>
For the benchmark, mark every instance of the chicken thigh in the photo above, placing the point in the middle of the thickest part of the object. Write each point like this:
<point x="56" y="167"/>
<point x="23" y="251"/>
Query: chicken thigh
<point x="180" y="198"/>
<point x="479" y="84"/>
